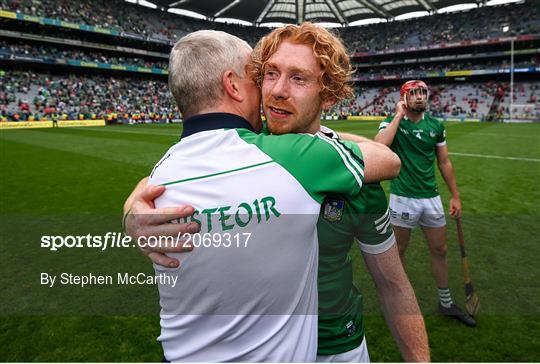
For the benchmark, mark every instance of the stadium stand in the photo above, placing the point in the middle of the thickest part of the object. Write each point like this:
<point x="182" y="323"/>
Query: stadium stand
<point x="479" y="23"/>
<point x="47" y="51"/>
<point x="482" y="23"/>
<point x="27" y="96"/>
<point x="118" y="71"/>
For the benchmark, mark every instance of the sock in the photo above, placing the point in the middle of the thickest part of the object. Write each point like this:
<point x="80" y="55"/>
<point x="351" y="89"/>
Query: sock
<point x="444" y="297"/>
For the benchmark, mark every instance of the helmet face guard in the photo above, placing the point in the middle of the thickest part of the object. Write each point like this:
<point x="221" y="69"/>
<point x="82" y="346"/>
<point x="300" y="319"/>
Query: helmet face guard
<point x="413" y="87"/>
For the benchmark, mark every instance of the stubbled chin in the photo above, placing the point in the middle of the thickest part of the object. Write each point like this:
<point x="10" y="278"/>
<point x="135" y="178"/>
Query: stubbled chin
<point x="277" y="127"/>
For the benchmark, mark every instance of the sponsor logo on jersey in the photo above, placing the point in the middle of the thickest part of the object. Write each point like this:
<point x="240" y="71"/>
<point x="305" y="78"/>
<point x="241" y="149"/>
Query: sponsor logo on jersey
<point x="351" y="328"/>
<point x="333" y="210"/>
<point x="228" y="217"/>
<point x="417" y="133"/>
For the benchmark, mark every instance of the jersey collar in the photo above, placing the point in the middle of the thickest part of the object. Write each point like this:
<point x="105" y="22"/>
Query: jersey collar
<point x="213" y="121"/>
<point x="423" y="117"/>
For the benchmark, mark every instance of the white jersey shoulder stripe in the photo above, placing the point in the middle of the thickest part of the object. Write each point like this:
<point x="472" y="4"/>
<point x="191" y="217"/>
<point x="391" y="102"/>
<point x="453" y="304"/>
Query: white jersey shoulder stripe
<point x="357" y="172"/>
<point x="382" y="218"/>
<point x="383" y="227"/>
<point x="339" y="146"/>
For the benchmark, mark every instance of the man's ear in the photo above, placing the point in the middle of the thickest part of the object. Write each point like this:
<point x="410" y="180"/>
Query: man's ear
<point x="328" y="103"/>
<point x="231" y="85"/>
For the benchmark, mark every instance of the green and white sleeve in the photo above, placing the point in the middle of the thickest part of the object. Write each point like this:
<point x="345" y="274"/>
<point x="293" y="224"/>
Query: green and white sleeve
<point x="441" y="137"/>
<point x="373" y="230"/>
<point x="384" y="124"/>
<point x="322" y="165"/>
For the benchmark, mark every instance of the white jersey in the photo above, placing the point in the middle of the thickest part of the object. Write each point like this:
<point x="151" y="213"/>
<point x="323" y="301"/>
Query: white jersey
<point x="248" y="292"/>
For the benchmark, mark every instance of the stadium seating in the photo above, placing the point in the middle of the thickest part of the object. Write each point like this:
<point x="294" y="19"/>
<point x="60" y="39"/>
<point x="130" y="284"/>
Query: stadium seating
<point x="32" y="96"/>
<point x="486" y="22"/>
<point x="27" y="92"/>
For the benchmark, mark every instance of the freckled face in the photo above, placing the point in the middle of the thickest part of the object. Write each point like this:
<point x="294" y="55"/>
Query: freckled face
<point x="291" y="91"/>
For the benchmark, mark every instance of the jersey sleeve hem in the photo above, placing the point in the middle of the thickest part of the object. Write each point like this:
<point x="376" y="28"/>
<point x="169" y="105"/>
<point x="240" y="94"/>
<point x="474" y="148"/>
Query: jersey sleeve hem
<point x="379" y="248"/>
<point x="441" y="144"/>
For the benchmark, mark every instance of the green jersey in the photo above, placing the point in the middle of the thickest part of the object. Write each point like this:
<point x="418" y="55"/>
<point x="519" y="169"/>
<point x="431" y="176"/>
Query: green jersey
<point x="416" y="145"/>
<point x="342" y="219"/>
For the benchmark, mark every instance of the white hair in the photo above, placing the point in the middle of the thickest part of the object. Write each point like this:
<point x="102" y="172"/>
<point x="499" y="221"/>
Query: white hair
<point x="197" y="64"/>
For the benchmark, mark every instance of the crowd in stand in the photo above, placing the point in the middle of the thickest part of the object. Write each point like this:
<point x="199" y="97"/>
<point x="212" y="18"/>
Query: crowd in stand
<point x="481" y="23"/>
<point x="449" y="100"/>
<point x="28" y="96"/>
<point x="31" y="96"/>
<point x="126" y="17"/>
<point x="90" y="55"/>
<point x="414" y="70"/>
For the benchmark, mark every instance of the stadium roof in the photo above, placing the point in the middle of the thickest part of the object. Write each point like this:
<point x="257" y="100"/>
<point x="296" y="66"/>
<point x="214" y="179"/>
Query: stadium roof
<point x="295" y="11"/>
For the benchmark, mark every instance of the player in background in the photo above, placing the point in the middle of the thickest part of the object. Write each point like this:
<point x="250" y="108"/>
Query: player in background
<point x="419" y="139"/>
<point x="287" y="69"/>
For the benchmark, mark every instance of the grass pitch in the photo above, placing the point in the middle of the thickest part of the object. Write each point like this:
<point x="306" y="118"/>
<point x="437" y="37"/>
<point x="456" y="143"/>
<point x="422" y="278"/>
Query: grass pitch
<point x="60" y="181"/>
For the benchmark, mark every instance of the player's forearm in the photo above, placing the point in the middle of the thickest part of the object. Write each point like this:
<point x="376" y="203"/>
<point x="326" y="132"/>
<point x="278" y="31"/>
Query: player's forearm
<point x="380" y="162"/>
<point x="387" y="135"/>
<point x="353" y="137"/>
<point x="405" y="321"/>
<point x="129" y="202"/>
<point x="447" y="172"/>
<point x="399" y="304"/>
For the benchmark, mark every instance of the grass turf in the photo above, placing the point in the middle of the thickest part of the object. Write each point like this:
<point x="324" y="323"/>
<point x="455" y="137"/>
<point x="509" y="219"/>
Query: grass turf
<point x="56" y="179"/>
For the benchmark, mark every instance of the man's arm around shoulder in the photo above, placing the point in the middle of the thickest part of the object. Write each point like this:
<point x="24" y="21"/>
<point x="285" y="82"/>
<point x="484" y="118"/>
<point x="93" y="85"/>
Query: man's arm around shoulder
<point x="380" y="162"/>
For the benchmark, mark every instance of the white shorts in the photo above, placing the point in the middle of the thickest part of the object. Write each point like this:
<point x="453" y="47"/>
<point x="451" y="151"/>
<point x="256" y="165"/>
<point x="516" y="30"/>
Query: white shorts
<point x="408" y="212"/>
<point x="358" y="355"/>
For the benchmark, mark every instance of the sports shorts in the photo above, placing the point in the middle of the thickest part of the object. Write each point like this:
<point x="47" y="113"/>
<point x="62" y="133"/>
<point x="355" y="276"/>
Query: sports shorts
<point x="357" y="355"/>
<point x="410" y="212"/>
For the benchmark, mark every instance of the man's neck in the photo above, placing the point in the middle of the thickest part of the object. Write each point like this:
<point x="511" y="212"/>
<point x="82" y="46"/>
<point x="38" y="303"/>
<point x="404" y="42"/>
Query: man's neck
<point x="415" y="117"/>
<point x="231" y="108"/>
<point x="312" y="128"/>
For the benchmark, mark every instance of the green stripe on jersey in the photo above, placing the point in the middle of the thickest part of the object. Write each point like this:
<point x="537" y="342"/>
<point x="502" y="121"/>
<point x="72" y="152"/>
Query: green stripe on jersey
<point x="215" y="174"/>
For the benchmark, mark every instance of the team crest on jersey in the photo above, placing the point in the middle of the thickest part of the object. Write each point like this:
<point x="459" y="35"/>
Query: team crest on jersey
<point x="432" y="133"/>
<point x="333" y="210"/>
<point x="405" y="215"/>
<point x="351" y="328"/>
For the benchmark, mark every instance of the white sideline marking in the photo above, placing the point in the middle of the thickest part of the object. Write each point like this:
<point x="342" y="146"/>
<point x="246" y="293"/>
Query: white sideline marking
<point x="495" y="157"/>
